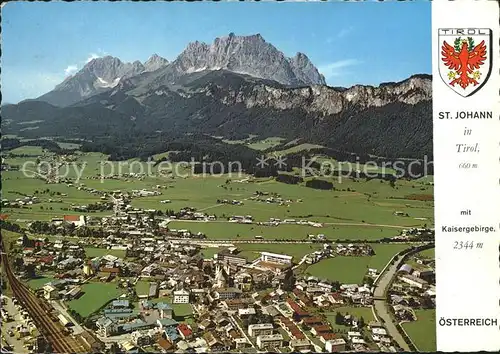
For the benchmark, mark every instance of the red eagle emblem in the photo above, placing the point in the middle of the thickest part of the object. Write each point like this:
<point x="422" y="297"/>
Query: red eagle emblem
<point x="463" y="59"/>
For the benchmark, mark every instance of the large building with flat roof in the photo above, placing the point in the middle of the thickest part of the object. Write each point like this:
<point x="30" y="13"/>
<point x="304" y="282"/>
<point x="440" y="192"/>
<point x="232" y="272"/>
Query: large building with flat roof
<point x="270" y="341"/>
<point x="275" y="258"/>
<point x="259" y="329"/>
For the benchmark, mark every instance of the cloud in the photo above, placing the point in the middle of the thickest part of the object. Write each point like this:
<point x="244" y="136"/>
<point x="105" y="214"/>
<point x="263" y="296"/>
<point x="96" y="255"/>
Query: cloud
<point x="70" y="70"/>
<point x="337" y="68"/>
<point x="91" y="57"/>
<point x="345" y="31"/>
<point x="100" y="53"/>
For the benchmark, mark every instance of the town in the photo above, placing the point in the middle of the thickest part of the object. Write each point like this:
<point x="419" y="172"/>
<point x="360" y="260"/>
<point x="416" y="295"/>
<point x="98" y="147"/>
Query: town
<point x="156" y="290"/>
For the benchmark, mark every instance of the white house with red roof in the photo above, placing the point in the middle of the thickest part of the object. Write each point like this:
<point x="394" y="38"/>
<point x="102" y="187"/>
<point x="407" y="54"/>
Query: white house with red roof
<point x="77" y="220"/>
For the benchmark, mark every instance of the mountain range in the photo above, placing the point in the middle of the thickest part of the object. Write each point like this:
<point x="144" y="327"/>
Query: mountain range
<point x="236" y="86"/>
<point x="250" y="55"/>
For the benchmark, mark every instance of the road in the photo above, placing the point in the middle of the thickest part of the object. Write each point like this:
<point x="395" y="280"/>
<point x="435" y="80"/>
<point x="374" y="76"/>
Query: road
<point x="242" y="331"/>
<point x="380" y="305"/>
<point x="300" y="263"/>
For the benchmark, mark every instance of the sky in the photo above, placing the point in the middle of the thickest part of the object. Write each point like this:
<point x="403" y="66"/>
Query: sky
<point x="350" y="42"/>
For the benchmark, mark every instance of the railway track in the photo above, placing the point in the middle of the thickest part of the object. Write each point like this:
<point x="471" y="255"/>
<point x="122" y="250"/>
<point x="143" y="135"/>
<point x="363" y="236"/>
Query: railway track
<point x="41" y="313"/>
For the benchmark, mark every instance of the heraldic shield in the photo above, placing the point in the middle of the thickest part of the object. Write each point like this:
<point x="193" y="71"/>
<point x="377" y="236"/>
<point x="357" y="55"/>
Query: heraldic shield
<point x="465" y="58"/>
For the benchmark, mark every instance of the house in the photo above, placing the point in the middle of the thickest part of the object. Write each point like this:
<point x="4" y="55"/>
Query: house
<point x="297" y="345"/>
<point x="426" y="274"/>
<point x="165" y="345"/>
<point x="120" y="304"/>
<point x="227" y="257"/>
<point x="164" y="323"/>
<point x="414" y="281"/>
<point x="88" y="270"/>
<point x="312" y="321"/>
<point x="129" y="347"/>
<point x="325" y="286"/>
<point x="258" y="329"/>
<point x="72" y="293"/>
<point x="185" y="331"/>
<point x="318" y="330"/>
<point x="240" y="343"/>
<point x="77" y="220"/>
<point x="213" y="341"/>
<point x="68" y="263"/>
<point x="181" y="297"/>
<point x="270" y="341"/>
<point x="153" y="290"/>
<point x="237" y="304"/>
<point x="326" y="336"/>
<point x="243" y="313"/>
<point x="141" y="338"/>
<point x="227" y="293"/>
<point x="135" y="325"/>
<point x="110" y="270"/>
<point x="105" y="326"/>
<point x="165" y="310"/>
<point x="50" y="292"/>
<point x="206" y="324"/>
<point x="335" y="345"/>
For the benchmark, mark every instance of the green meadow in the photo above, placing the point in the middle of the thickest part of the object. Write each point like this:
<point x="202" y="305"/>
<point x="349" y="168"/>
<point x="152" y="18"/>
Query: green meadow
<point x="423" y="331"/>
<point x="95" y="296"/>
<point x="351" y="270"/>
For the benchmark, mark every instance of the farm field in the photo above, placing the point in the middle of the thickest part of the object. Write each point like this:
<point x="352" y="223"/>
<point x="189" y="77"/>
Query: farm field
<point x="296" y="148"/>
<point x="38" y="283"/>
<point x="208" y="253"/>
<point x="92" y="252"/>
<point x="423" y="331"/>
<point x="252" y="250"/>
<point x="351" y="270"/>
<point x="95" y="296"/>
<point x="430" y="253"/>
<point x="142" y="287"/>
<point x="362" y="202"/>
<point x="221" y="230"/>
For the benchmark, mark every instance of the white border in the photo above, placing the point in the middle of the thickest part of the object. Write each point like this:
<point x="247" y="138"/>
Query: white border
<point x="467" y="281"/>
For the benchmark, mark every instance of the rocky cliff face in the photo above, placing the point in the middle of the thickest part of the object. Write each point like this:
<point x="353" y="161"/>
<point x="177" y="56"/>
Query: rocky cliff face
<point x="250" y="55"/>
<point x="323" y="99"/>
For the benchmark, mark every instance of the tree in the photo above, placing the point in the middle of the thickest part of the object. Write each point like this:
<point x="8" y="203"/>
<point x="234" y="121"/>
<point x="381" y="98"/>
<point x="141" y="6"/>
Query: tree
<point x="339" y="319"/>
<point x="30" y="270"/>
<point x="361" y="322"/>
<point x="115" y="348"/>
<point x="26" y="241"/>
<point x="369" y="281"/>
<point x="289" y="280"/>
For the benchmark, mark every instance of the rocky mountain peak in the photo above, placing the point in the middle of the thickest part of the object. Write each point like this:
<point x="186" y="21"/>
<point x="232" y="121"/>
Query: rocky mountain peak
<point x="110" y="68"/>
<point x="250" y="55"/>
<point x="305" y="70"/>
<point x="155" y="62"/>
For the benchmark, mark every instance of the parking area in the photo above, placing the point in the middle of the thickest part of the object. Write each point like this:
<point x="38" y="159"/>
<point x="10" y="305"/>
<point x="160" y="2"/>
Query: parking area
<point x="17" y="329"/>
